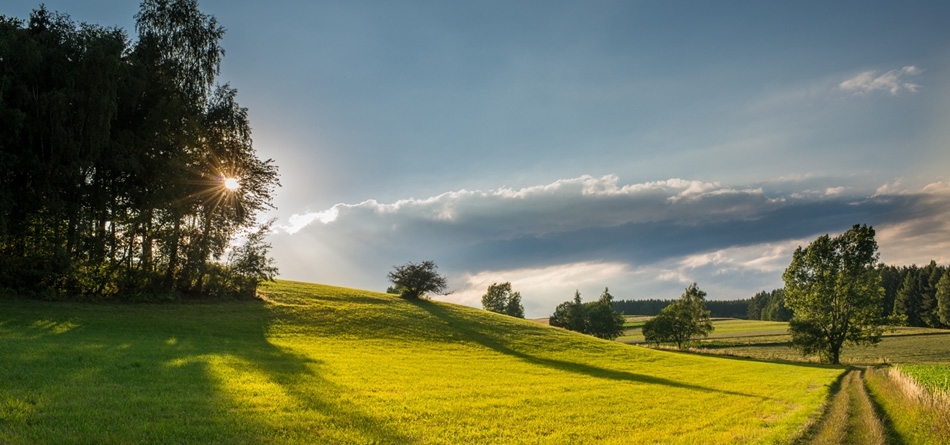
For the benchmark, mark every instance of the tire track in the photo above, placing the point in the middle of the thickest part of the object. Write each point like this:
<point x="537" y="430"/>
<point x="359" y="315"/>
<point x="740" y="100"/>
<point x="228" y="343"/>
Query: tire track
<point x="851" y="418"/>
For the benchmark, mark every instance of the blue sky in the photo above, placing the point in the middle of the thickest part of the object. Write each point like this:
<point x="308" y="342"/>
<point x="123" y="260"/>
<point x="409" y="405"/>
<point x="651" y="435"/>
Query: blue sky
<point x="579" y="145"/>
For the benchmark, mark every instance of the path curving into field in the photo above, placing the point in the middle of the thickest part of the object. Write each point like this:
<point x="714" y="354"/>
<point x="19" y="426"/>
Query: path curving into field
<point x="851" y="418"/>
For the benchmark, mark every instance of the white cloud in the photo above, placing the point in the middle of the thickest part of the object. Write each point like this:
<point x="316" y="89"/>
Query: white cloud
<point x="890" y="188"/>
<point x="762" y="258"/>
<point x="893" y="81"/>
<point x="833" y="191"/>
<point x="297" y="222"/>
<point x="541" y="288"/>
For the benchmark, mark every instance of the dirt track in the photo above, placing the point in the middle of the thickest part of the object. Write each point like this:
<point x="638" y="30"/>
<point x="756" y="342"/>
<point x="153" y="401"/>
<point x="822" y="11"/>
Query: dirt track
<point x="851" y="418"/>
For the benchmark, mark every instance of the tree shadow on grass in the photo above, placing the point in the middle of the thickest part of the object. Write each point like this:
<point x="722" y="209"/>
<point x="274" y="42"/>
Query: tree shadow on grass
<point x="492" y="342"/>
<point x="161" y="380"/>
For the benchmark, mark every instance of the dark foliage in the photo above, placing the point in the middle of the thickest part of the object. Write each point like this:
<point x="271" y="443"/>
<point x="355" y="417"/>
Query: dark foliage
<point x="835" y="292"/>
<point x="597" y="318"/>
<point x="414" y="281"/>
<point x="501" y="299"/>
<point x="717" y="308"/>
<point x="682" y="321"/>
<point x="113" y="156"/>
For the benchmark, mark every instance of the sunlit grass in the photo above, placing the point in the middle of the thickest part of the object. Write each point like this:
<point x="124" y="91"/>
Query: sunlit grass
<point x="915" y="415"/>
<point x="320" y="364"/>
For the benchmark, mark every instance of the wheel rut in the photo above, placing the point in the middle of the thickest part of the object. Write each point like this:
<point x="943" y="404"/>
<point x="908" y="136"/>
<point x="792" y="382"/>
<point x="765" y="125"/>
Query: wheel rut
<point x="851" y="417"/>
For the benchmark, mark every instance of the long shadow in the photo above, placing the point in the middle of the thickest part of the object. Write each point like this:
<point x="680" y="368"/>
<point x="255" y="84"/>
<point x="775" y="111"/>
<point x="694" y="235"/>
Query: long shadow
<point x="150" y="379"/>
<point x="493" y="343"/>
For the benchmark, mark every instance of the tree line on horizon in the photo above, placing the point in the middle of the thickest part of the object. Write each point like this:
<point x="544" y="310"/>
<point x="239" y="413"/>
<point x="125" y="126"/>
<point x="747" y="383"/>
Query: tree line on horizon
<point x="913" y="294"/>
<point x="114" y="157"/>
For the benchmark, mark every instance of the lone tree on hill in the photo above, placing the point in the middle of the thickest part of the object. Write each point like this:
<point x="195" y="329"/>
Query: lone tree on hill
<point x="499" y="298"/>
<point x="681" y="321"/>
<point x="835" y="293"/>
<point x="416" y="280"/>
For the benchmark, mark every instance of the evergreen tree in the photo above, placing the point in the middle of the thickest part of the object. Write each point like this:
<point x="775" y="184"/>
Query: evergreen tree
<point x="943" y="298"/>
<point x="776" y="309"/>
<point x="907" y="301"/>
<point x="891" y="280"/>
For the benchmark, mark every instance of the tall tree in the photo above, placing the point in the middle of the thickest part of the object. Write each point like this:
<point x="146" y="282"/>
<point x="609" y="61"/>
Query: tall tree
<point x="835" y="292"/>
<point x="114" y="155"/>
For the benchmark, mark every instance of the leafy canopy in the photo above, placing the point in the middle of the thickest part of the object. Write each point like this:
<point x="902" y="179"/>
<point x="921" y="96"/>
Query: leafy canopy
<point x="682" y="321"/>
<point x="500" y="298"/>
<point x="597" y="318"/>
<point x="835" y="293"/>
<point x="416" y="280"/>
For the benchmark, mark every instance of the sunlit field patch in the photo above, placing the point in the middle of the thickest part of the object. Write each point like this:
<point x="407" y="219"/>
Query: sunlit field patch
<point x="320" y="364"/>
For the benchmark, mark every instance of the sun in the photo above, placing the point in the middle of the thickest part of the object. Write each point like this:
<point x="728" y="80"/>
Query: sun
<point x="231" y="184"/>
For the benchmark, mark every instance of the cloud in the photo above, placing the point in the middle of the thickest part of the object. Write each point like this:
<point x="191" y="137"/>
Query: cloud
<point x="832" y="191"/>
<point x="893" y="81"/>
<point x="298" y="222"/>
<point x="559" y="281"/>
<point x="643" y="240"/>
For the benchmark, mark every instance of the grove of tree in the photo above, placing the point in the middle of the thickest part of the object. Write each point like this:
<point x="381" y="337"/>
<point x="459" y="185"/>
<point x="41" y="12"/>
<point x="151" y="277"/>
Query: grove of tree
<point x="501" y="299"/>
<point x="597" y="318"/>
<point x="114" y="157"/>
<point x="682" y="321"/>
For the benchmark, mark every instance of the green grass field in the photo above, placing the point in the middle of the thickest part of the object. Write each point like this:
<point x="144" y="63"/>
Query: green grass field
<point x="933" y="377"/>
<point x="320" y="364"/>
<point x="769" y="340"/>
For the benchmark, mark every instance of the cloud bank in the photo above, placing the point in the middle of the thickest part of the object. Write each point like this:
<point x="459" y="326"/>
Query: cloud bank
<point x="644" y="240"/>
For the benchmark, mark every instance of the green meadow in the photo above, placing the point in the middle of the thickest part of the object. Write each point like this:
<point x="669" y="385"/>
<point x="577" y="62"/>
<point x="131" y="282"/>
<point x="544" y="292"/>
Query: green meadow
<point x="321" y="364"/>
<point x="769" y="340"/>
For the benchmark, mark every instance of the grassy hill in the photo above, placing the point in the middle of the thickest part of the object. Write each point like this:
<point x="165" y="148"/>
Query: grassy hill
<point x="321" y="364"/>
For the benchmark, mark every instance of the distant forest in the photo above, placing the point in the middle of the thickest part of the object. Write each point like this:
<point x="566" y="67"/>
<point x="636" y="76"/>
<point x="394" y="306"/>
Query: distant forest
<point x="913" y="296"/>
<point x="717" y="308"/>
<point x="125" y="169"/>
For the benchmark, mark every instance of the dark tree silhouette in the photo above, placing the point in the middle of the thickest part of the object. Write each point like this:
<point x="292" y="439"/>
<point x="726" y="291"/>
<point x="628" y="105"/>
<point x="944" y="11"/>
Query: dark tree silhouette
<point x="114" y="156"/>
<point x="416" y="280"/>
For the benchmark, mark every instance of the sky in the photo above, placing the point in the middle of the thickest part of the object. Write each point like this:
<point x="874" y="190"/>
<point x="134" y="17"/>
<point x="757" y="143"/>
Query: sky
<point x="638" y="146"/>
